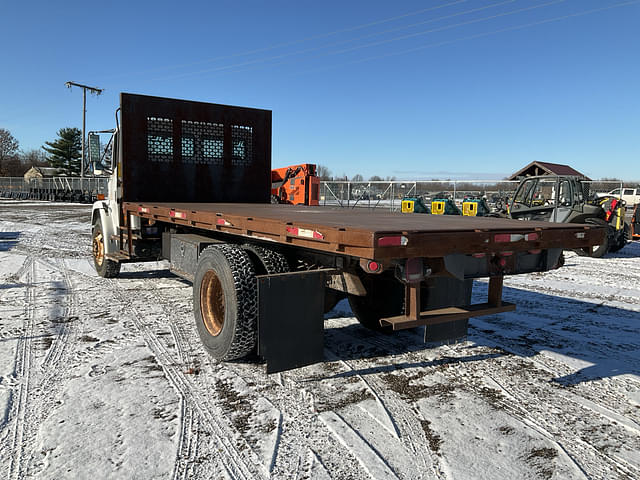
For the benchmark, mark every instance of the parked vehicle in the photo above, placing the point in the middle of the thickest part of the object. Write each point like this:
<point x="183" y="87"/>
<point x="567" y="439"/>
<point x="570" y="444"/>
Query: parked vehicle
<point x="635" y="223"/>
<point x="295" y="185"/>
<point x="566" y="199"/>
<point x="630" y="195"/>
<point x="191" y="183"/>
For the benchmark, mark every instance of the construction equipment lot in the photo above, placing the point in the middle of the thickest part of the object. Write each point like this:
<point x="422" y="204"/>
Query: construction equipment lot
<point x="107" y="378"/>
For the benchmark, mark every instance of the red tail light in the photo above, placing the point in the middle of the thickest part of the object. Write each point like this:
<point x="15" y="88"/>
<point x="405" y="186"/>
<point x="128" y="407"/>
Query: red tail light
<point x="394" y="241"/>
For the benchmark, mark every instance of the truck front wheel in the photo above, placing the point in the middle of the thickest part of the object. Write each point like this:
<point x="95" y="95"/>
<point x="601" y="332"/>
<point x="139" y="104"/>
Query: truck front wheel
<point x="225" y="302"/>
<point x="106" y="268"/>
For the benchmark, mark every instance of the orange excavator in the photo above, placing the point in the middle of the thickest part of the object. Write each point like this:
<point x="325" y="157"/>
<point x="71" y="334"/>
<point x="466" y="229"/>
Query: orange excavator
<point x="295" y="185"/>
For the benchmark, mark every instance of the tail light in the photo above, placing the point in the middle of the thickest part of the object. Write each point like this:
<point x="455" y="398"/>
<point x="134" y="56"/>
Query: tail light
<point x="393" y="241"/>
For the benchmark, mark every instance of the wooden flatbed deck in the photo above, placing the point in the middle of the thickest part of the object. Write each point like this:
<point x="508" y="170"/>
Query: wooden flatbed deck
<point x="370" y="234"/>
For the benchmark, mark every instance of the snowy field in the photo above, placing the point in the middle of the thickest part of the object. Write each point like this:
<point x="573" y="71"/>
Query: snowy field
<point x="106" y="379"/>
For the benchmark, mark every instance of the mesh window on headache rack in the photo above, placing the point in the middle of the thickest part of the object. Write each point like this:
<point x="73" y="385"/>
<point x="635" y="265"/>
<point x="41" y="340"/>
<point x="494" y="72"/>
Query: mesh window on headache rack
<point x="242" y="138"/>
<point x="202" y="142"/>
<point x="160" y="139"/>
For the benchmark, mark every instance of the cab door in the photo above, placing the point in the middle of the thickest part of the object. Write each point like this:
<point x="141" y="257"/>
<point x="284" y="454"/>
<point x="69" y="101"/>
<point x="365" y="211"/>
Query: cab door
<point x="565" y="201"/>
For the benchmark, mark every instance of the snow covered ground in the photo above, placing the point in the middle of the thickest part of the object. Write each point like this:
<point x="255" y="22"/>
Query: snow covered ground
<point x="106" y="379"/>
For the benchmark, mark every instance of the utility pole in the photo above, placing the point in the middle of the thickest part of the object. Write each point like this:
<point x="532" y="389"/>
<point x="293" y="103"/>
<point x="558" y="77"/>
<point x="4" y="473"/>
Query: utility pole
<point x="84" y="88"/>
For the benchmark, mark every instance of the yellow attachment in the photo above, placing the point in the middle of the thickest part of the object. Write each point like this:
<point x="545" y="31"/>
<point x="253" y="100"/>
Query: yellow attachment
<point x="407" y="206"/>
<point x="470" y="209"/>
<point x="437" y="207"/>
<point x="620" y="216"/>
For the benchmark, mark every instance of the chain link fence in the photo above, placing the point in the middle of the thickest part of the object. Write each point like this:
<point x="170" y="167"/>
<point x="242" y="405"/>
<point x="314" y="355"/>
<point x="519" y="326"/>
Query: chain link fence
<point x="386" y="195"/>
<point x="59" y="189"/>
<point x="389" y="194"/>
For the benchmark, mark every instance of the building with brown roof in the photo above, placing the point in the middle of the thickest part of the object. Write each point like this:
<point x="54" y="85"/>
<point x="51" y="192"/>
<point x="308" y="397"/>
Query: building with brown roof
<point x="546" y="168"/>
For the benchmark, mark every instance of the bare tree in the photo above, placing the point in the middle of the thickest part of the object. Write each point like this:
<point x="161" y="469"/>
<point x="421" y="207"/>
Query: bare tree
<point x="34" y="158"/>
<point x="13" y="167"/>
<point x="357" y="178"/>
<point x="8" y="148"/>
<point x="375" y="178"/>
<point x="323" y="172"/>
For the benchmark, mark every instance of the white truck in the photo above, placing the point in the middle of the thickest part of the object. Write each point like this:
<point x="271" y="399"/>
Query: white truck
<point x="629" y="195"/>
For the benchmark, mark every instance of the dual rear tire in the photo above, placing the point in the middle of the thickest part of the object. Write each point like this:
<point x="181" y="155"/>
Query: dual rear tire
<point x="225" y="297"/>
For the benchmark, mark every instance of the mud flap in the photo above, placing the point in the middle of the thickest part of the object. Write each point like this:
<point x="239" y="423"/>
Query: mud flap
<point x="291" y="319"/>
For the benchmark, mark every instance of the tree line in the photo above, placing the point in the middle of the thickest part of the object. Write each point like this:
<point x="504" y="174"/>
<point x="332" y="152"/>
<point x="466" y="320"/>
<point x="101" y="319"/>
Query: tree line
<point x="63" y="153"/>
<point x="325" y="174"/>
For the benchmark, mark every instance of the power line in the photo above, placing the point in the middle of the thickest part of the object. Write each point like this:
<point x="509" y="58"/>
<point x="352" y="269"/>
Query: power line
<point x="479" y="35"/>
<point x="315" y="49"/>
<point x="448" y="42"/>
<point x="448" y="27"/>
<point x="297" y="42"/>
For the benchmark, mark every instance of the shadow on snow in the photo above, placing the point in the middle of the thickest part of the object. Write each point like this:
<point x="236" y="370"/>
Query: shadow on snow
<point x="8" y="240"/>
<point x="598" y="341"/>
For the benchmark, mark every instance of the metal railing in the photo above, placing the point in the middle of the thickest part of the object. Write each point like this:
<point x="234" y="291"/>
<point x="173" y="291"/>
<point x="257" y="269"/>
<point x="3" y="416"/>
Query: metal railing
<point x="69" y="189"/>
<point x="346" y="194"/>
<point x="389" y="194"/>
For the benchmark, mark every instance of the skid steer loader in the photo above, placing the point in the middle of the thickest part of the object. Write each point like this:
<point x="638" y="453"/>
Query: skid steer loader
<point x="567" y="199"/>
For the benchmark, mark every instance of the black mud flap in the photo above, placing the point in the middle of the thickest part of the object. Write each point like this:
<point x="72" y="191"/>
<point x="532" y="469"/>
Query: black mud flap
<point x="291" y="319"/>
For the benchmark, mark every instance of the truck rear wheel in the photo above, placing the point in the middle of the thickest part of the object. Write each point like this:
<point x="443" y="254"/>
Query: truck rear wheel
<point x="384" y="298"/>
<point x="106" y="268"/>
<point x="265" y="260"/>
<point x="225" y="302"/>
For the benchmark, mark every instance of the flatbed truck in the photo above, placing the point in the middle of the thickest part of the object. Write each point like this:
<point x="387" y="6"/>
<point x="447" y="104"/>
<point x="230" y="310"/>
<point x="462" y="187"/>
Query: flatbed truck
<point x="190" y="182"/>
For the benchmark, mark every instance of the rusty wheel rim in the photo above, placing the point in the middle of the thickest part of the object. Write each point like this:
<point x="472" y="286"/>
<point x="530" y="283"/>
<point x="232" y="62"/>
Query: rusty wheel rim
<point x="98" y="249"/>
<point x="212" y="303"/>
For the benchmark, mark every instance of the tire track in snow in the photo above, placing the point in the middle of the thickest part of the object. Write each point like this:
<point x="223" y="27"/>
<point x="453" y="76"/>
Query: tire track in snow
<point x="187" y="442"/>
<point x="190" y="423"/>
<point x="239" y="464"/>
<point x="593" y="395"/>
<point x="184" y="337"/>
<point x="65" y="324"/>
<point x="405" y="419"/>
<point x="42" y="383"/>
<point x="529" y="409"/>
<point x="22" y="371"/>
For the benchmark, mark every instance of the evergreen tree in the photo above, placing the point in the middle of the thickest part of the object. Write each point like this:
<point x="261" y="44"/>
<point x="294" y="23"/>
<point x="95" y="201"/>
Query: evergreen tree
<point x="65" y="152"/>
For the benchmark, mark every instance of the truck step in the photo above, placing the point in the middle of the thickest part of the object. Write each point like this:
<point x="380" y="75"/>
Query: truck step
<point x="118" y="257"/>
<point x="446" y="315"/>
<point x="134" y="236"/>
<point x="123" y="257"/>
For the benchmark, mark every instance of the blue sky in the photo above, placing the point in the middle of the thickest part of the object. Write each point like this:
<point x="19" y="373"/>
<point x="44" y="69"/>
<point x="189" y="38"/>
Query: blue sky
<point x="430" y="89"/>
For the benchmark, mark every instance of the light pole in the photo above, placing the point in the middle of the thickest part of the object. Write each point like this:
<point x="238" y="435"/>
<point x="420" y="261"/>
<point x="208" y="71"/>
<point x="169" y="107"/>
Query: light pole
<point x="84" y="88"/>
